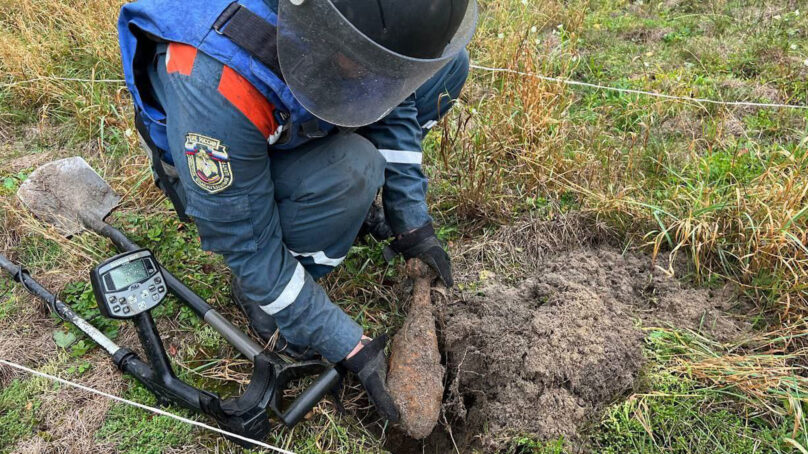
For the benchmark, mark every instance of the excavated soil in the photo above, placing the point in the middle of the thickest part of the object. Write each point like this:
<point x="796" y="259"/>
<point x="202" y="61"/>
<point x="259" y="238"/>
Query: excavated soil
<point x="545" y="356"/>
<point x="540" y="358"/>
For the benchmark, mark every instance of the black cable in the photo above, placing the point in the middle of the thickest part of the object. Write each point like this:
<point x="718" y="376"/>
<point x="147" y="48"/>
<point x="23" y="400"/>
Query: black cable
<point x="52" y="305"/>
<point x="19" y="276"/>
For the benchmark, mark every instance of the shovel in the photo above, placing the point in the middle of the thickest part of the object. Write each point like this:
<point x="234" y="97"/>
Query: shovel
<point x="71" y="196"/>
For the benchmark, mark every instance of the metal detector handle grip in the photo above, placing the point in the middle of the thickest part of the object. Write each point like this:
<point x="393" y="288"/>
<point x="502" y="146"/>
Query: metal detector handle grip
<point x="298" y="409"/>
<point x="246" y="346"/>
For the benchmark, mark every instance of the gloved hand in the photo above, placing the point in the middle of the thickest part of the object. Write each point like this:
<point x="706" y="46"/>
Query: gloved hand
<point x="370" y="366"/>
<point x="424" y="244"/>
<point x="375" y="224"/>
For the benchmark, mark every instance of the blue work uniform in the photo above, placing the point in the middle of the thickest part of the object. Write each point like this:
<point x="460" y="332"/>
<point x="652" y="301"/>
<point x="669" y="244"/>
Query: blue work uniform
<point x="283" y="209"/>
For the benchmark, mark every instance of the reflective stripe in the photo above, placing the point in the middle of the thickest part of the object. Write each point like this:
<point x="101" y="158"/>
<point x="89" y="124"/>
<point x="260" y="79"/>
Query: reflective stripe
<point x="289" y="293"/>
<point x="275" y="136"/>
<point x="319" y="258"/>
<point x="180" y="58"/>
<point x="401" y="156"/>
<point x="248" y="100"/>
<point x="429" y="124"/>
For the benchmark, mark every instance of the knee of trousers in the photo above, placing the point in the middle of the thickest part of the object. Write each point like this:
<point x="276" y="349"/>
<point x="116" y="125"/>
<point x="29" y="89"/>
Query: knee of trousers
<point x="458" y="74"/>
<point x="462" y="63"/>
<point x="363" y="171"/>
<point x="438" y="95"/>
<point x="359" y="169"/>
<point x="332" y="199"/>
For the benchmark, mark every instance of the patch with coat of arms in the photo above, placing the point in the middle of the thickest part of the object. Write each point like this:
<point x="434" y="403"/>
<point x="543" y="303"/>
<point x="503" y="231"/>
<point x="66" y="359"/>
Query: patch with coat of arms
<point x="208" y="163"/>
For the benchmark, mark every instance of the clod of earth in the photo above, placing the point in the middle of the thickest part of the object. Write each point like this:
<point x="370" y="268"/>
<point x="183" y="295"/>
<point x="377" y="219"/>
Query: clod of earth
<point x="545" y="357"/>
<point x="540" y="359"/>
<point x="415" y="379"/>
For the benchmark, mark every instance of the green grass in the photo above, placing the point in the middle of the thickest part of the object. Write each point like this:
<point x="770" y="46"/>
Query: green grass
<point x="137" y="432"/>
<point x="677" y="414"/>
<point x="19" y="404"/>
<point x="673" y="421"/>
<point x="8" y="302"/>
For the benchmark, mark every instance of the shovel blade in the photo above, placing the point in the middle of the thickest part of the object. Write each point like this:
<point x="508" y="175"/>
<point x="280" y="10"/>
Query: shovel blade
<point x="64" y="192"/>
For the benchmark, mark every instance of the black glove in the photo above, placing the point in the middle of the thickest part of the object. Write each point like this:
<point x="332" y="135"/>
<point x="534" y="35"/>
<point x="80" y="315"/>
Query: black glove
<point x="375" y="224"/>
<point x="424" y="244"/>
<point x="370" y="366"/>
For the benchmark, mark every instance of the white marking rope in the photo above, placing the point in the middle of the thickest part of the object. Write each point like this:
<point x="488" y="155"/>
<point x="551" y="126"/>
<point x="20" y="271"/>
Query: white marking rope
<point x="65" y="79"/>
<point x="143" y="407"/>
<point x="510" y="71"/>
<point x="637" y="92"/>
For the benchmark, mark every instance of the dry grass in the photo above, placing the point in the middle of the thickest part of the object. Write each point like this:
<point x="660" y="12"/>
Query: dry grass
<point x="43" y="42"/>
<point x="766" y="371"/>
<point x="733" y="202"/>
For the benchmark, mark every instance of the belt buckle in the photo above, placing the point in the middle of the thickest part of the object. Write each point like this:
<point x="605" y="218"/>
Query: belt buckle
<point x="225" y="17"/>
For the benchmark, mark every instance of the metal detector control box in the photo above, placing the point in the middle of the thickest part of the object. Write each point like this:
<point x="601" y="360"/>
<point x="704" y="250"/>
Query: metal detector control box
<point x="128" y="284"/>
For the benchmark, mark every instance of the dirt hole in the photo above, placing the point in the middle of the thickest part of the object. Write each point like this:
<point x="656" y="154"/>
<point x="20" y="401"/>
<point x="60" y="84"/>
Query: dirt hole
<point x="543" y="357"/>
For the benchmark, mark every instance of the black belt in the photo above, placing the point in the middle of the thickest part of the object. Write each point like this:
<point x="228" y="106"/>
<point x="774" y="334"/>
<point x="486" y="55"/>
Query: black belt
<point x="162" y="180"/>
<point x="252" y="33"/>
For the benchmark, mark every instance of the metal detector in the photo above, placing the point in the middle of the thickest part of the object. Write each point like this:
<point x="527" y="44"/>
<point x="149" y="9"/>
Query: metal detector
<point x="70" y="195"/>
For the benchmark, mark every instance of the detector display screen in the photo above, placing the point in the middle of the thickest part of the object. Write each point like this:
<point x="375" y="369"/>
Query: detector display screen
<point x="128" y="284"/>
<point x="128" y="274"/>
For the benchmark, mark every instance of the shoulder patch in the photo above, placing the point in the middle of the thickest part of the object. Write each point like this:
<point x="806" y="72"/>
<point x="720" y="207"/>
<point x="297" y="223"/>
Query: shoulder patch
<point x="208" y="163"/>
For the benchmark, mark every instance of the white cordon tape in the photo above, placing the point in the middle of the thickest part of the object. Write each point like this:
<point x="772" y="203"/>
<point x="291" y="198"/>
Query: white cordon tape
<point x="511" y="71"/>
<point x="143" y="407"/>
<point x="637" y="92"/>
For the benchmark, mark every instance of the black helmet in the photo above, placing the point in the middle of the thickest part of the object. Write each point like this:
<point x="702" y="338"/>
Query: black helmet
<point x="417" y="28"/>
<point x="350" y="62"/>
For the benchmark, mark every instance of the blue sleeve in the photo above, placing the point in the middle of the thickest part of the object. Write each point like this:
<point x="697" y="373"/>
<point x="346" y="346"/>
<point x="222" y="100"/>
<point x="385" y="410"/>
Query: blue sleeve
<point x="398" y="138"/>
<point x="232" y="201"/>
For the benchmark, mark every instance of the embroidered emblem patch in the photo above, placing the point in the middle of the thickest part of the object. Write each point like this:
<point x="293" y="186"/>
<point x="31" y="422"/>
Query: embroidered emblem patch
<point x="208" y="163"/>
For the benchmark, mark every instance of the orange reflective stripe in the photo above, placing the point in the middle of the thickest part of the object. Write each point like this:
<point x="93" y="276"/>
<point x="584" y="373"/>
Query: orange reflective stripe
<point x="240" y="92"/>
<point x="180" y="58"/>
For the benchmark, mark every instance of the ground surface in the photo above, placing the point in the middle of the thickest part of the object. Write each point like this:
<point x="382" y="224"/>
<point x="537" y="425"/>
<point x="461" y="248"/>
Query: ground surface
<point x="547" y="356"/>
<point x="570" y="206"/>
